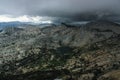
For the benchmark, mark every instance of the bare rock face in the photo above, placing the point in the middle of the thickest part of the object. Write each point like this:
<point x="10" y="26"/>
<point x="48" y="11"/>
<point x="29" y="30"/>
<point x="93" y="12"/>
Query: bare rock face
<point x="112" y="75"/>
<point x="87" y="52"/>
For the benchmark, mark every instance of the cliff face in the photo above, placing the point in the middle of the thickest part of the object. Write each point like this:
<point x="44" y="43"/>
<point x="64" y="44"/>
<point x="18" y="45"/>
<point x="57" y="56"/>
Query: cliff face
<point x="87" y="52"/>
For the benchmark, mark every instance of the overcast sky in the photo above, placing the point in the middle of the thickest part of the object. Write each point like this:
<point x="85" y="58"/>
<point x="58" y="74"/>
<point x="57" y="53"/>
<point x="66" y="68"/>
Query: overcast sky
<point x="63" y="8"/>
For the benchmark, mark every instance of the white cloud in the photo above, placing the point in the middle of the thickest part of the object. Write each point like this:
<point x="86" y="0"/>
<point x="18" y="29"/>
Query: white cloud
<point x="25" y="18"/>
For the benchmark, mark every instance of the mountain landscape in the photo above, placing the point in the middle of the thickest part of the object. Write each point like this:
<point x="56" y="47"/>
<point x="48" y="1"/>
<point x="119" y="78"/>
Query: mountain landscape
<point x="88" y="51"/>
<point x="59" y="39"/>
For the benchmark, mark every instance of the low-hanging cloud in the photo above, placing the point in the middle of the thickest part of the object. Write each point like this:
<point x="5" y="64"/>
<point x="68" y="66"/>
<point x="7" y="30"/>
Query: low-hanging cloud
<point x="60" y="8"/>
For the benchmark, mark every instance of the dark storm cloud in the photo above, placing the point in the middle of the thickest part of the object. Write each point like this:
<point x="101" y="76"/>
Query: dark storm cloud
<point x="58" y="7"/>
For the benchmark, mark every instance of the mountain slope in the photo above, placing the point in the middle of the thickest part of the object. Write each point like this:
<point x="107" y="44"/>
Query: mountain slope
<point x="87" y="52"/>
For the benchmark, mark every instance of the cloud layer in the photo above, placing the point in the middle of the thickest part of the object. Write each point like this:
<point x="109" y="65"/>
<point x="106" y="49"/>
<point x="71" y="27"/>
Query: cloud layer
<point x="60" y="8"/>
<point x="25" y="18"/>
